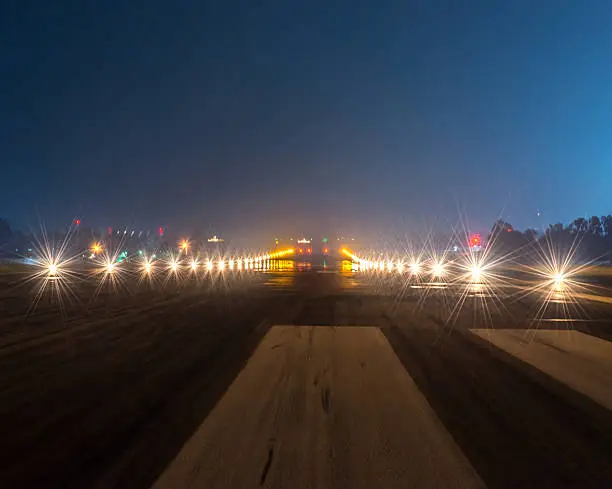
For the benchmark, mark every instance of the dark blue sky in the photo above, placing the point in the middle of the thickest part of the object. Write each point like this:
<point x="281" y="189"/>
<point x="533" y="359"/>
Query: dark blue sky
<point x="311" y="114"/>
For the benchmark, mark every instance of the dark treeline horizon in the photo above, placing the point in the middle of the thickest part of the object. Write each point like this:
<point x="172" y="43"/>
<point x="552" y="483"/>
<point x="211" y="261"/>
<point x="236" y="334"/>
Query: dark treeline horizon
<point x="587" y="239"/>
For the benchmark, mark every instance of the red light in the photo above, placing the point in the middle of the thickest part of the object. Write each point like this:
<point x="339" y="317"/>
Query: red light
<point x="325" y="250"/>
<point x="509" y="230"/>
<point x="77" y="222"/>
<point x="161" y="231"/>
<point x="474" y="240"/>
<point x="110" y="231"/>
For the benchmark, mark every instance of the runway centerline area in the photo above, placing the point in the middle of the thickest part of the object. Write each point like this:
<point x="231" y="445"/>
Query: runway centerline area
<point x="321" y="407"/>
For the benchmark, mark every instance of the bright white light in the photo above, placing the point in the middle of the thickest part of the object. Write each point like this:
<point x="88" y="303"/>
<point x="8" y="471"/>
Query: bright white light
<point x="174" y="265"/>
<point x="415" y="268"/>
<point x="221" y="264"/>
<point x="110" y="268"/>
<point x="475" y="273"/>
<point x="209" y="264"/>
<point x="381" y="265"/>
<point x="437" y="269"/>
<point x="52" y="269"/>
<point x="231" y="263"/>
<point x="559" y="278"/>
<point x="390" y="266"/>
<point x="400" y="267"/>
<point x="148" y="267"/>
<point x="194" y="265"/>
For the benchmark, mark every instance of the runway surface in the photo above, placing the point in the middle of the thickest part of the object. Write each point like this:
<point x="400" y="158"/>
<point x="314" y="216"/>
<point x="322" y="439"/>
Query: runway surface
<point x="115" y="392"/>
<point x="321" y="407"/>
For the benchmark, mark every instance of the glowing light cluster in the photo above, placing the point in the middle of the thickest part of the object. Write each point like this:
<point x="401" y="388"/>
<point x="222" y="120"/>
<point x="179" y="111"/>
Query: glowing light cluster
<point x="437" y="268"/>
<point x="281" y="254"/>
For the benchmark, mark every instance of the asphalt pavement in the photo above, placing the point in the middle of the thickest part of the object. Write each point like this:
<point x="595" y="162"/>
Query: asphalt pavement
<point x="185" y="387"/>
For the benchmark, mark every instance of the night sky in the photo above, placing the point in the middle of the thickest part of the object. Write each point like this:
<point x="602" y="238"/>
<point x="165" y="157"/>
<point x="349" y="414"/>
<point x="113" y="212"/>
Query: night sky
<point x="287" y="116"/>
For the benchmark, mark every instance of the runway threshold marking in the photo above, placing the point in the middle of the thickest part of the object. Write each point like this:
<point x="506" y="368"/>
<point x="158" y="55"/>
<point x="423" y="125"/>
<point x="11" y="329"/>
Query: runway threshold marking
<point x="321" y="407"/>
<point x="578" y="360"/>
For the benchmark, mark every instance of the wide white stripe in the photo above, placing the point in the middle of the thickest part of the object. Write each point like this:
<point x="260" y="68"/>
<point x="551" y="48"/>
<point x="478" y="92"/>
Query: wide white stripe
<point x="580" y="361"/>
<point x="321" y="407"/>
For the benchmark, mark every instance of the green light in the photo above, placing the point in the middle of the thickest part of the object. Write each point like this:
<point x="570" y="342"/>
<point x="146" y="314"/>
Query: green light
<point x="140" y="252"/>
<point x="325" y="240"/>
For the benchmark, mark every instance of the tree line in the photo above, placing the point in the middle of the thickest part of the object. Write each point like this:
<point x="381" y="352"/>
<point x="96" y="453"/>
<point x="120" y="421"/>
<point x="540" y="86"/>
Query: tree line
<point x="589" y="239"/>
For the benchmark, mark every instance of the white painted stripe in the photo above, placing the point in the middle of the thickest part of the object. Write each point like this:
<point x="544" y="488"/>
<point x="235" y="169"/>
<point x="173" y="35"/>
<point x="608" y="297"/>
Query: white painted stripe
<point x="581" y="361"/>
<point x="321" y="407"/>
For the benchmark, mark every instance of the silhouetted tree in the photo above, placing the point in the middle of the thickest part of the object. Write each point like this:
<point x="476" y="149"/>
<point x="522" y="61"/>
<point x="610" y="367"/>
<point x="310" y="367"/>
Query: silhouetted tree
<point x="500" y="226"/>
<point x="606" y="224"/>
<point x="555" y="229"/>
<point x="579" y="225"/>
<point x="595" y="226"/>
<point x="504" y="239"/>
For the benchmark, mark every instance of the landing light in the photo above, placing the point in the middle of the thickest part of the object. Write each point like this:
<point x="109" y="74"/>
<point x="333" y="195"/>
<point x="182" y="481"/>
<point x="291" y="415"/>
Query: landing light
<point x="475" y="273"/>
<point x="437" y="269"/>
